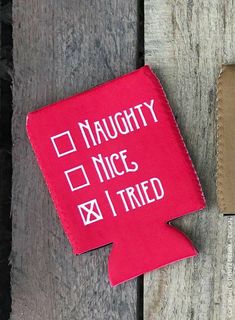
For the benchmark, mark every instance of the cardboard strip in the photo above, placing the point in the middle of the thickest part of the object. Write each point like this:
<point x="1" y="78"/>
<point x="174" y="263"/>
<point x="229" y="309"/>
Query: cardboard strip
<point x="226" y="140"/>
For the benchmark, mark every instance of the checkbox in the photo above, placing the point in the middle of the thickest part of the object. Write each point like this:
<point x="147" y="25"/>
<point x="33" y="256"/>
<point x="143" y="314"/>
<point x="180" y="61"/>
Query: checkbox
<point x="77" y="178"/>
<point x="63" y="144"/>
<point x="90" y="212"/>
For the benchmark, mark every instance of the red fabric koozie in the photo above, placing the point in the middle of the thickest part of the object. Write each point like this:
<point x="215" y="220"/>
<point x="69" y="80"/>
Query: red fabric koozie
<point x="118" y="171"/>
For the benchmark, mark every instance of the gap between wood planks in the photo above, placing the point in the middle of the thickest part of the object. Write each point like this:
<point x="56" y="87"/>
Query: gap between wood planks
<point x="5" y="156"/>
<point x="140" y="63"/>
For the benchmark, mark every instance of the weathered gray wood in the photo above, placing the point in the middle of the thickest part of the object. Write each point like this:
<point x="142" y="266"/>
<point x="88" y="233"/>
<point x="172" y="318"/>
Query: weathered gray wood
<point x="185" y="42"/>
<point x="62" y="47"/>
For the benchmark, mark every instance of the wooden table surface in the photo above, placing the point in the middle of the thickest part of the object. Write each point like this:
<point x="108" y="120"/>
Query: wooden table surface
<point x="63" y="47"/>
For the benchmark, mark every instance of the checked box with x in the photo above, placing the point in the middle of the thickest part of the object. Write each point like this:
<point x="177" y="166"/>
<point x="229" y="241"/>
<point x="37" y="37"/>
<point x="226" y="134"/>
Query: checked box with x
<point x="90" y="212"/>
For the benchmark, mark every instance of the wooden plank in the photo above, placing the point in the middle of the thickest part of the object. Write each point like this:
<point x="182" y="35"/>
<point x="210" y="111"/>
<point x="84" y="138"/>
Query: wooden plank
<point x="60" y="48"/>
<point x="186" y="42"/>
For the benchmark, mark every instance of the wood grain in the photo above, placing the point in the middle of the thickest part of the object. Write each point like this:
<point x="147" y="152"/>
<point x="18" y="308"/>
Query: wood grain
<point x="186" y="42"/>
<point x="60" y="48"/>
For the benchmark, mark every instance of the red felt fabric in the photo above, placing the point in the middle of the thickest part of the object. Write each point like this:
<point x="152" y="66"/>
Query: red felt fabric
<point x="91" y="198"/>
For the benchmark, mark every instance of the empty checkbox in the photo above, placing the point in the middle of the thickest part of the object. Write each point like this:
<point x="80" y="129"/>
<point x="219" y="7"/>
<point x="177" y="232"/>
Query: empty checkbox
<point x="63" y="144"/>
<point x="77" y="178"/>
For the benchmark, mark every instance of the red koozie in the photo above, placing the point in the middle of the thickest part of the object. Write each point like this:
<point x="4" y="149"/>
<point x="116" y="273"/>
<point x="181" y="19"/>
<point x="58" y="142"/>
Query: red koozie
<point x="118" y="171"/>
